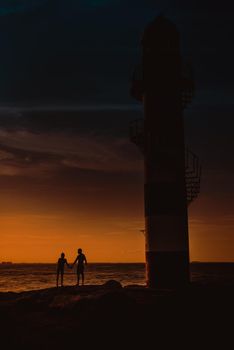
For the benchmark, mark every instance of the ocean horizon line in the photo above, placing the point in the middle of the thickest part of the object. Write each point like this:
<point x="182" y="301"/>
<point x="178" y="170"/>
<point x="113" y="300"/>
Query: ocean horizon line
<point x="109" y="262"/>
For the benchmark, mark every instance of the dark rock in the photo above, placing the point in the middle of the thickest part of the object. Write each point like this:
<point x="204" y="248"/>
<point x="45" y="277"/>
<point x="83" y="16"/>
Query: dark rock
<point x="116" y="298"/>
<point x="112" y="284"/>
<point x="58" y="317"/>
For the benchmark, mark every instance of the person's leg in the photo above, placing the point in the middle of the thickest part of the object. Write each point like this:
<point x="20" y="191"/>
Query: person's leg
<point x="78" y="278"/>
<point x="61" y="278"/>
<point x="57" y="279"/>
<point x="82" y="275"/>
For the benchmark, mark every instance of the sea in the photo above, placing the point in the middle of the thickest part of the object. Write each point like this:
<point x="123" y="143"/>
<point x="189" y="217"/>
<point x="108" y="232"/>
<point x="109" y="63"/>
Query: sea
<point x="25" y="277"/>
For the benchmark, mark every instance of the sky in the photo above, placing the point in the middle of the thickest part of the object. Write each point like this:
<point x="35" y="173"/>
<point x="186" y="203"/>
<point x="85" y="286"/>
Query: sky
<point x="69" y="176"/>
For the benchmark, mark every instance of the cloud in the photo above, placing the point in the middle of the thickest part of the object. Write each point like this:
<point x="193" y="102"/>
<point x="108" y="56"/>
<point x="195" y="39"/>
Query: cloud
<point x="5" y="155"/>
<point x="19" y="6"/>
<point x="25" y="152"/>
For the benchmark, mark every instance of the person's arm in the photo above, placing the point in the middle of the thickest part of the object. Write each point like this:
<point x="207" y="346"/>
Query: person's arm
<point x="75" y="261"/>
<point x="67" y="263"/>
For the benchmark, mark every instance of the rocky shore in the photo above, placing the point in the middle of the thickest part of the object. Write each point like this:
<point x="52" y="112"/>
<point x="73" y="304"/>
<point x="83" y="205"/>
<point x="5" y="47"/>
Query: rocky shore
<point x="58" y="318"/>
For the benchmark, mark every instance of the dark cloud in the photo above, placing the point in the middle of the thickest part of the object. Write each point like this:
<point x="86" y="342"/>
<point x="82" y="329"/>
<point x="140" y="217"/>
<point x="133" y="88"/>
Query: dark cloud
<point x="96" y="118"/>
<point x="40" y="143"/>
<point x="70" y="51"/>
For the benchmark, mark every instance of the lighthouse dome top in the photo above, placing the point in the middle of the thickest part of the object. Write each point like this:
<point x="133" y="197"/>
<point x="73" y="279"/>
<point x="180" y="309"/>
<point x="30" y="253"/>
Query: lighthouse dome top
<point x="161" y="33"/>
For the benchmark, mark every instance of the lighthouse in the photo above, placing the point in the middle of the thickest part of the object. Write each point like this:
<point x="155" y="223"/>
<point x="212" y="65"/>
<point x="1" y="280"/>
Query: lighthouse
<point x="159" y="83"/>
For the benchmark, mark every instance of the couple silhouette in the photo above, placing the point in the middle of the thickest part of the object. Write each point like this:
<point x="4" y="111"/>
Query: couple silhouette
<point x="80" y="260"/>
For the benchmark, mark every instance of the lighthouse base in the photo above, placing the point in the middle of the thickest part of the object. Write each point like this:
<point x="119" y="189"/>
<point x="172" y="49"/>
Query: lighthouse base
<point x="167" y="269"/>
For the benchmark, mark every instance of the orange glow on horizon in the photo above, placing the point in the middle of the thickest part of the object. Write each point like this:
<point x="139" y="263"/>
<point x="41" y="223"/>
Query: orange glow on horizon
<point x="41" y="238"/>
<point x="31" y="238"/>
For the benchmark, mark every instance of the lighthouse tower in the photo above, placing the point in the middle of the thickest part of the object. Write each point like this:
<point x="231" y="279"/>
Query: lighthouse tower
<point x="162" y="89"/>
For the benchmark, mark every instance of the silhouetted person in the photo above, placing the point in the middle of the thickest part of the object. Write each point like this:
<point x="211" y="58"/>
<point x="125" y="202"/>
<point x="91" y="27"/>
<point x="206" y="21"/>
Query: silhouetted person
<point x="60" y="268"/>
<point x="81" y="260"/>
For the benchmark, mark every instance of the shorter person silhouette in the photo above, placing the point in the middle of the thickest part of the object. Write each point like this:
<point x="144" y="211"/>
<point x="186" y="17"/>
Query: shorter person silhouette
<point x="81" y="260"/>
<point x="60" y="268"/>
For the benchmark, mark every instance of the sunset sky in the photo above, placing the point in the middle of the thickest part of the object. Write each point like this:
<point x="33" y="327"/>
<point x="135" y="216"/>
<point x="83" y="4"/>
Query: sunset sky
<point x="69" y="176"/>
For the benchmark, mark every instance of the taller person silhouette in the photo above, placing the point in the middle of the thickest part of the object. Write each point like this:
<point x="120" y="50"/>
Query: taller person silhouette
<point x="81" y="261"/>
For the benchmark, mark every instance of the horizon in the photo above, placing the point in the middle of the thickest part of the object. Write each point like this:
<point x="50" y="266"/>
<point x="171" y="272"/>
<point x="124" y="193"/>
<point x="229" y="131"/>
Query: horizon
<point x="115" y="262"/>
